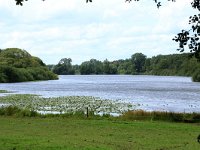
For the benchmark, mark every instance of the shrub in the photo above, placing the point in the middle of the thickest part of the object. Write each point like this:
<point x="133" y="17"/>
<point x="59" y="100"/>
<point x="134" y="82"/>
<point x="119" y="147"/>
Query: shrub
<point x="15" y="111"/>
<point x="163" y="116"/>
<point x="196" y="76"/>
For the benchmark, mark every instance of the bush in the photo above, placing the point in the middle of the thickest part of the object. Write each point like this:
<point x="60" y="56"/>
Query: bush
<point x="18" y="65"/>
<point x="9" y="111"/>
<point x="163" y="116"/>
<point x="15" y="111"/>
<point x="196" y="76"/>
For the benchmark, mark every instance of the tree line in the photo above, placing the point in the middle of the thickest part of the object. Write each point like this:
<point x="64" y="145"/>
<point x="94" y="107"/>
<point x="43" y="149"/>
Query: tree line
<point x="18" y="65"/>
<point x="137" y="64"/>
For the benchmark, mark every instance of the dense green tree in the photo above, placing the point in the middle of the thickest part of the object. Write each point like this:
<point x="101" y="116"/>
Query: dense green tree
<point x="86" y="68"/>
<point x="64" y="67"/>
<point x="50" y="67"/>
<point x="76" y="69"/>
<point x="174" y="65"/>
<point x="106" y="66"/>
<point x="147" y="65"/>
<point x="109" y="68"/>
<point x="18" y="65"/>
<point x="24" y="59"/>
<point x="138" y="59"/>
<point x="126" y="67"/>
<point x="91" y="67"/>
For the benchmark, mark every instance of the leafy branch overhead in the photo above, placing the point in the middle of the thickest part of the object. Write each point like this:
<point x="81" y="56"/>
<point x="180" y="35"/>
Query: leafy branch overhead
<point x="20" y="2"/>
<point x="190" y="38"/>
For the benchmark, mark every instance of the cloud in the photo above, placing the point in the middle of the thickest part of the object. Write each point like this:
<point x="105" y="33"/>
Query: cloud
<point x="103" y="29"/>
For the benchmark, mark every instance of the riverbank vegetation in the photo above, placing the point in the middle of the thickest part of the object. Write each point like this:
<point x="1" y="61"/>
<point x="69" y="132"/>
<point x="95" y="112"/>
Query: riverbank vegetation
<point x="84" y="106"/>
<point x="78" y="133"/>
<point x="33" y="122"/>
<point x="131" y="115"/>
<point x="4" y="91"/>
<point x="166" y="65"/>
<point x="18" y="65"/>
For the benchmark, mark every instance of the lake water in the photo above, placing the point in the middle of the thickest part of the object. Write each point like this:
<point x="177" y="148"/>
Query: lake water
<point x="178" y="94"/>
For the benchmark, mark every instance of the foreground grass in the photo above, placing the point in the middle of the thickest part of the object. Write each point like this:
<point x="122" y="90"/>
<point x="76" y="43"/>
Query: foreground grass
<point x="72" y="133"/>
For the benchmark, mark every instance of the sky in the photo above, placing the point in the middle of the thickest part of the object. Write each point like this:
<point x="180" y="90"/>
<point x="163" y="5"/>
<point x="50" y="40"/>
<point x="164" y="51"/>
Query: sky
<point x="103" y="29"/>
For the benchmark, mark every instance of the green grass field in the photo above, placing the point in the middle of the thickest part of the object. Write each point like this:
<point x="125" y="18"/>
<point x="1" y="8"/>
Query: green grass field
<point x="56" y="133"/>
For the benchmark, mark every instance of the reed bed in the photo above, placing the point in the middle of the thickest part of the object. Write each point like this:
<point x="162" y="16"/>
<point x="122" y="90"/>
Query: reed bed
<point x="136" y="115"/>
<point x="161" y="116"/>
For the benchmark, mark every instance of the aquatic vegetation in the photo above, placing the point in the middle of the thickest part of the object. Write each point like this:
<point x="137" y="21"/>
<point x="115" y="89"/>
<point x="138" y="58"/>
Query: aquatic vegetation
<point x="4" y="91"/>
<point x="68" y="104"/>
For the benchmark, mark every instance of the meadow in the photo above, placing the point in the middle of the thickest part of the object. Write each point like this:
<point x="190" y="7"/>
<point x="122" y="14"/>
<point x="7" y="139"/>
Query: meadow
<point x="73" y="133"/>
<point x="23" y="127"/>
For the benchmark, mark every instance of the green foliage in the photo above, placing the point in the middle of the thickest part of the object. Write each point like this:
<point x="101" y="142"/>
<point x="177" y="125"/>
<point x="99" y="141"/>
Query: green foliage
<point x="15" y="111"/>
<point x="138" y="59"/>
<point x="125" y="67"/>
<point x="131" y="115"/>
<point x="196" y="75"/>
<point x="161" y="116"/>
<point x="64" y="67"/>
<point x="4" y="91"/>
<point x="18" y="65"/>
<point x="109" y="67"/>
<point x="176" y="64"/>
<point x="91" y="67"/>
<point x="166" y="65"/>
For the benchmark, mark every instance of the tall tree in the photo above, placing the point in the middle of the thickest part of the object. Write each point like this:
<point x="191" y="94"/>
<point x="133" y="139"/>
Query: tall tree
<point x="91" y="67"/>
<point x="64" y="67"/>
<point x="138" y="59"/>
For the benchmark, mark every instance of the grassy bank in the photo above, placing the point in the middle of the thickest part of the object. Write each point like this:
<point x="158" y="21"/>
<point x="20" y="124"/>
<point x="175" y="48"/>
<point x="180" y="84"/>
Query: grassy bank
<point x="72" y="133"/>
<point x="22" y="128"/>
<point x="132" y="115"/>
<point x="161" y="116"/>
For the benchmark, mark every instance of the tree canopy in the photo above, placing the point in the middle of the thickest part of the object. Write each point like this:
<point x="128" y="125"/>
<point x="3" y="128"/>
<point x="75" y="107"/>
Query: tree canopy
<point x="64" y="67"/>
<point x="138" y="63"/>
<point x="18" y="65"/>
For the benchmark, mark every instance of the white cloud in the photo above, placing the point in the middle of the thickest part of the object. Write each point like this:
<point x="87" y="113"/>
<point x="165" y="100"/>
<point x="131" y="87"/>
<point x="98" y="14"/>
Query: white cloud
<point x="102" y="29"/>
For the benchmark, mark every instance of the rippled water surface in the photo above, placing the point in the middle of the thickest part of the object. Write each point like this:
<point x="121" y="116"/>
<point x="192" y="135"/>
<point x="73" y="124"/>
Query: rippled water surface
<point x="149" y="92"/>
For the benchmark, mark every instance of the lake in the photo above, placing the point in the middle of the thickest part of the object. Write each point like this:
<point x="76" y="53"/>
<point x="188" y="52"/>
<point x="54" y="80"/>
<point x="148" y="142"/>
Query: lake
<point x="177" y="94"/>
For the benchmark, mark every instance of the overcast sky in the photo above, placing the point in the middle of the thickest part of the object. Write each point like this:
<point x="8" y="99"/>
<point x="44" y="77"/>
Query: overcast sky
<point x="110" y="29"/>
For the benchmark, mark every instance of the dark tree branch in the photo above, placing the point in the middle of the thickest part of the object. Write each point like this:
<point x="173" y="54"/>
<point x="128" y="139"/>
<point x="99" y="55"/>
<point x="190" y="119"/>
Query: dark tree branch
<point x="20" y="2"/>
<point x="191" y="37"/>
